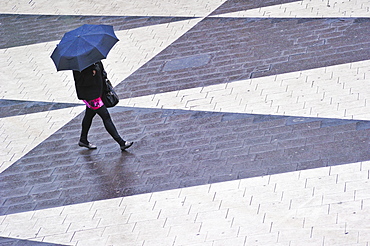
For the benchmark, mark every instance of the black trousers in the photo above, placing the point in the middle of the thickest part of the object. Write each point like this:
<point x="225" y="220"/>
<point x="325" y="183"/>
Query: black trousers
<point x="107" y="121"/>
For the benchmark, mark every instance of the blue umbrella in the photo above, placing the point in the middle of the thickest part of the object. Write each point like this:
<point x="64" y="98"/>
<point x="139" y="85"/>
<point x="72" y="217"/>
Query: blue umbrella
<point x="83" y="46"/>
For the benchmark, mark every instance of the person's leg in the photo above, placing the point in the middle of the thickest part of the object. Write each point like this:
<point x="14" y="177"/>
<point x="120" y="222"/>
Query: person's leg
<point x="86" y="124"/>
<point x="108" y="124"/>
<point x="110" y="127"/>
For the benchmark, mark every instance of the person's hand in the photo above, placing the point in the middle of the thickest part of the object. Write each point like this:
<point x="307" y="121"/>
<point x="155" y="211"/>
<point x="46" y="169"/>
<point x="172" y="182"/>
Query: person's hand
<point x="94" y="72"/>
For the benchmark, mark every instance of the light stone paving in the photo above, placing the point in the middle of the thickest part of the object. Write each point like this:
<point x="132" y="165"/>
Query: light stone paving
<point x="324" y="206"/>
<point x="184" y="8"/>
<point x="308" y="9"/>
<point x="340" y="91"/>
<point x="20" y="134"/>
<point x="23" y="64"/>
<point x="34" y="77"/>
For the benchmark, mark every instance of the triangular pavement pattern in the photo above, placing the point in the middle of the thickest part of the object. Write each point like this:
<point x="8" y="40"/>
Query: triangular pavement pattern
<point x="268" y="141"/>
<point x="338" y="91"/>
<point x="175" y="149"/>
<point x="19" y="107"/>
<point x="307" y="9"/>
<point x="190" y="8"/>
<point x="135" y="49"/>
<point x="17" y="32"/>
<point x="18" y="242"/>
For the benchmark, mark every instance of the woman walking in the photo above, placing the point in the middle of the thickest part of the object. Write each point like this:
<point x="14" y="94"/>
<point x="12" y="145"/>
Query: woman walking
<point x="90" y="84"/>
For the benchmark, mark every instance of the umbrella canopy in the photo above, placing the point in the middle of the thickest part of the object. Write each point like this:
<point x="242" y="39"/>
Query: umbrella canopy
<point x="83" y="46"/>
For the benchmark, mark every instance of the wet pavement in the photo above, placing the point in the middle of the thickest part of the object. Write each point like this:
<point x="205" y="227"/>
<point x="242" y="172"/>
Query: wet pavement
<point x="184" y="139"/>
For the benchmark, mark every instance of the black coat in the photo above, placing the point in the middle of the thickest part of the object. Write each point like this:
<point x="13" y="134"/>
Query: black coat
<point x="88" y="86"/>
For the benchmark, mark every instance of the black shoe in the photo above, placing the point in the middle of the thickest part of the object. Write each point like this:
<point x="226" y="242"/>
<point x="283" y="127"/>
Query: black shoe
<point x="88" y="145"/>
<point x="126" y="145"/>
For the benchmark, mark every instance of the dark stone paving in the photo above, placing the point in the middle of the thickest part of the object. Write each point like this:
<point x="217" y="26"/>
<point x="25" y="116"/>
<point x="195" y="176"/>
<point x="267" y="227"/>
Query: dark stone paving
<point x="177" y="148"/>
<point x="17" y="107"/>
<point x="17" y="242"/>
<point x="240" y="5"/>
<point x="17" y="30"/>
<point x="174" y="149"/>
<point x="250" y="48"/>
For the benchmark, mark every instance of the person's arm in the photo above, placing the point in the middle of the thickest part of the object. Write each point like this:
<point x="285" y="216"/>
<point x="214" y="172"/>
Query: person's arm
<point x="103" y="72"/>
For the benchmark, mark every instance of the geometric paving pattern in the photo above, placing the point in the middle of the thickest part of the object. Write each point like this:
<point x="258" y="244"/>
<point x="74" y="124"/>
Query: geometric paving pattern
<point x="16" y="242"/>
<point x="179" y="68"/>
<point x="16" y="107"/>
<point x="175" y="149"/>
<point x="245" y="48"/>
<point x="21" y="30"/>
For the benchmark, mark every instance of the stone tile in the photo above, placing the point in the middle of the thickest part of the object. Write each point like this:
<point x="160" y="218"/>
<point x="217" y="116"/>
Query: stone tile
<point x="238" y="5"/>
<point x="206" y="166"/>
<point x="230" y="26"/>
<point x="11" y="241"/>
<point x="272" y="134"/>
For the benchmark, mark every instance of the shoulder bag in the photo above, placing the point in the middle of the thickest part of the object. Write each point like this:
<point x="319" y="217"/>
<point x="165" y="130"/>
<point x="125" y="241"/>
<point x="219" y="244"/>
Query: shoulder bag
<point x="109" y="97"/>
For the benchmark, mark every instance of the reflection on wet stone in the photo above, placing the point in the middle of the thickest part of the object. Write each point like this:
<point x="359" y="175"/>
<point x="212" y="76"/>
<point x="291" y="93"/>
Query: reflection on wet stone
<point x="174" y="149"/>
<point x="187" y="62"/>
